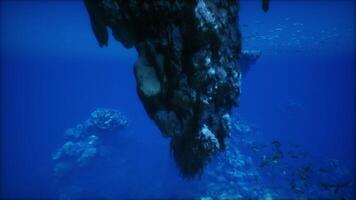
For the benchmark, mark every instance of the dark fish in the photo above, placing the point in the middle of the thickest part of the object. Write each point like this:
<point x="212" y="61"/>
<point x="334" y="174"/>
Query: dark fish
<point x="305" y="171"/>
<point x="303" y="154"/>
<point x="334" y="186"/>
<point x="265" y="162"/>
<point x="278" y="155"/>
<point x="291" y="154"/>
<point x="296" y="187"/>
<point x="258" y="147"/>
<point x="334" y="163"/>
<point x="256" y="179"/>
<point x="265" y="5"/>
<point x="323" y="170"/>
<point x="294" y="156"/>
<point x="276" y="144"/>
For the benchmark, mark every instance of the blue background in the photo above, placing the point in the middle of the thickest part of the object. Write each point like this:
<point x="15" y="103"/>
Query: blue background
<point x="53" y="74"/>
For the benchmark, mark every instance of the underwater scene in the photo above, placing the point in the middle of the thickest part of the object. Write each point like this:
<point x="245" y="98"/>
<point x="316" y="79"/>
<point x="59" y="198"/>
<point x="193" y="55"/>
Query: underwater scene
<point x="168" y="99"/>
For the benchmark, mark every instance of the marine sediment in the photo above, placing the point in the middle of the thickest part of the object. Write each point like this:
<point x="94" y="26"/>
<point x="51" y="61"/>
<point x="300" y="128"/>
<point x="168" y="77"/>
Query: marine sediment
<point x="187" y="72"/>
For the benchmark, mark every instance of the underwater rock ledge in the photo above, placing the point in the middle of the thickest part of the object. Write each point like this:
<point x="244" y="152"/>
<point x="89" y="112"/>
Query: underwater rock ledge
<point x="187" y="73"/>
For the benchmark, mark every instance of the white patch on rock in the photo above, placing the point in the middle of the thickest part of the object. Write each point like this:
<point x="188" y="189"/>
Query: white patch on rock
<point x="211" y="71"/>
<point x="147" y="79"/>
<point x="208" y="139"/>
<point x="205" y="17"/>
<point x="226" y="122"/>
<point x="207" y="60"/>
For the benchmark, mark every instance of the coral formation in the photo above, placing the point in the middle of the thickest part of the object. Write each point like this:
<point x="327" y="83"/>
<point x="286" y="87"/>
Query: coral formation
<point x="187" y="72"/>
<point x="84" y="140"/>
<point x="281" y="174"/>
<point x="107" y="119"/>
<point x="208" y="140"/>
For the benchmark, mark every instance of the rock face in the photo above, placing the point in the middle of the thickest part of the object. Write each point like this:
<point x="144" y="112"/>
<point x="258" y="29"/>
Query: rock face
<point x="187" y="73"/>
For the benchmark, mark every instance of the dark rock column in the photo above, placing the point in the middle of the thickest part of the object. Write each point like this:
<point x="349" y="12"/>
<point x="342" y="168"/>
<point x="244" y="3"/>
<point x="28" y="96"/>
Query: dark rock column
<point x="187" y="72"/>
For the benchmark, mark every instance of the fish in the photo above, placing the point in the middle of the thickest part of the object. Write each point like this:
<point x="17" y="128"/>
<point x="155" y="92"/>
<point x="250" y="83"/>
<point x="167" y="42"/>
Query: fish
<point x="303" y="154"/>
<point x="305" y="171"/>
<point x="276" y="144"/>
<point x="323" y="170"/>
<point x="334" y="163"/>
<point x="278" y="155"/>
<point x="296" y="187"/>
<point x="265" y="162"/>
<point x="334" y="186"/>
<point x="258" y="147"/>
<point x="294" y="156"/>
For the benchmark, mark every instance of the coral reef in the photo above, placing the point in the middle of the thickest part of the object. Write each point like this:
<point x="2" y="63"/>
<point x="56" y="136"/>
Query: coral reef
<point x="107" y="120"/>
<point x="187" y="72"/>
<point x="84" y="141"/>
<point x="233" y="174"/>
<point x="251" y="169"/>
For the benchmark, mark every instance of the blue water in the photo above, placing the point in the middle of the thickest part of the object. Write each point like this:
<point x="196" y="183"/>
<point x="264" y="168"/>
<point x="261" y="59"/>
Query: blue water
<point x="53" y="74"/>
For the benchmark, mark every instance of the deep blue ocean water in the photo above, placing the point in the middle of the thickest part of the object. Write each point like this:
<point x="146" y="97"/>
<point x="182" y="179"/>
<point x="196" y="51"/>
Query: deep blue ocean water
<point x="54" y="74"/>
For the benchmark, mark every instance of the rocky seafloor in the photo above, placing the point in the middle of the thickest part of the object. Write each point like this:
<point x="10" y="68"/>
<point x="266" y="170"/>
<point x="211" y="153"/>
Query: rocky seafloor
<point x="249" y="168"/>
<point x="254" y="168"/>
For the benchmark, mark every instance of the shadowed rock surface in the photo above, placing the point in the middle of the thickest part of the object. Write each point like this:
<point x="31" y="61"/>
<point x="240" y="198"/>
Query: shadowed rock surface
<point x="187" y="73"/>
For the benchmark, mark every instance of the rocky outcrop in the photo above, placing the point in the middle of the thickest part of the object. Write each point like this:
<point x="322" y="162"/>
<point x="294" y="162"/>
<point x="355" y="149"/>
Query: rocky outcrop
<point x="248" y="58"/>
<point x="84" y="141"/>
<point x="187" y="73"/>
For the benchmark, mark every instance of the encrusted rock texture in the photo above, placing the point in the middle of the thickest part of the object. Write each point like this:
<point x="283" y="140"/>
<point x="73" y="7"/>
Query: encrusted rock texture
<point x="83" y="142"/>
<point x="187" y="72"/>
